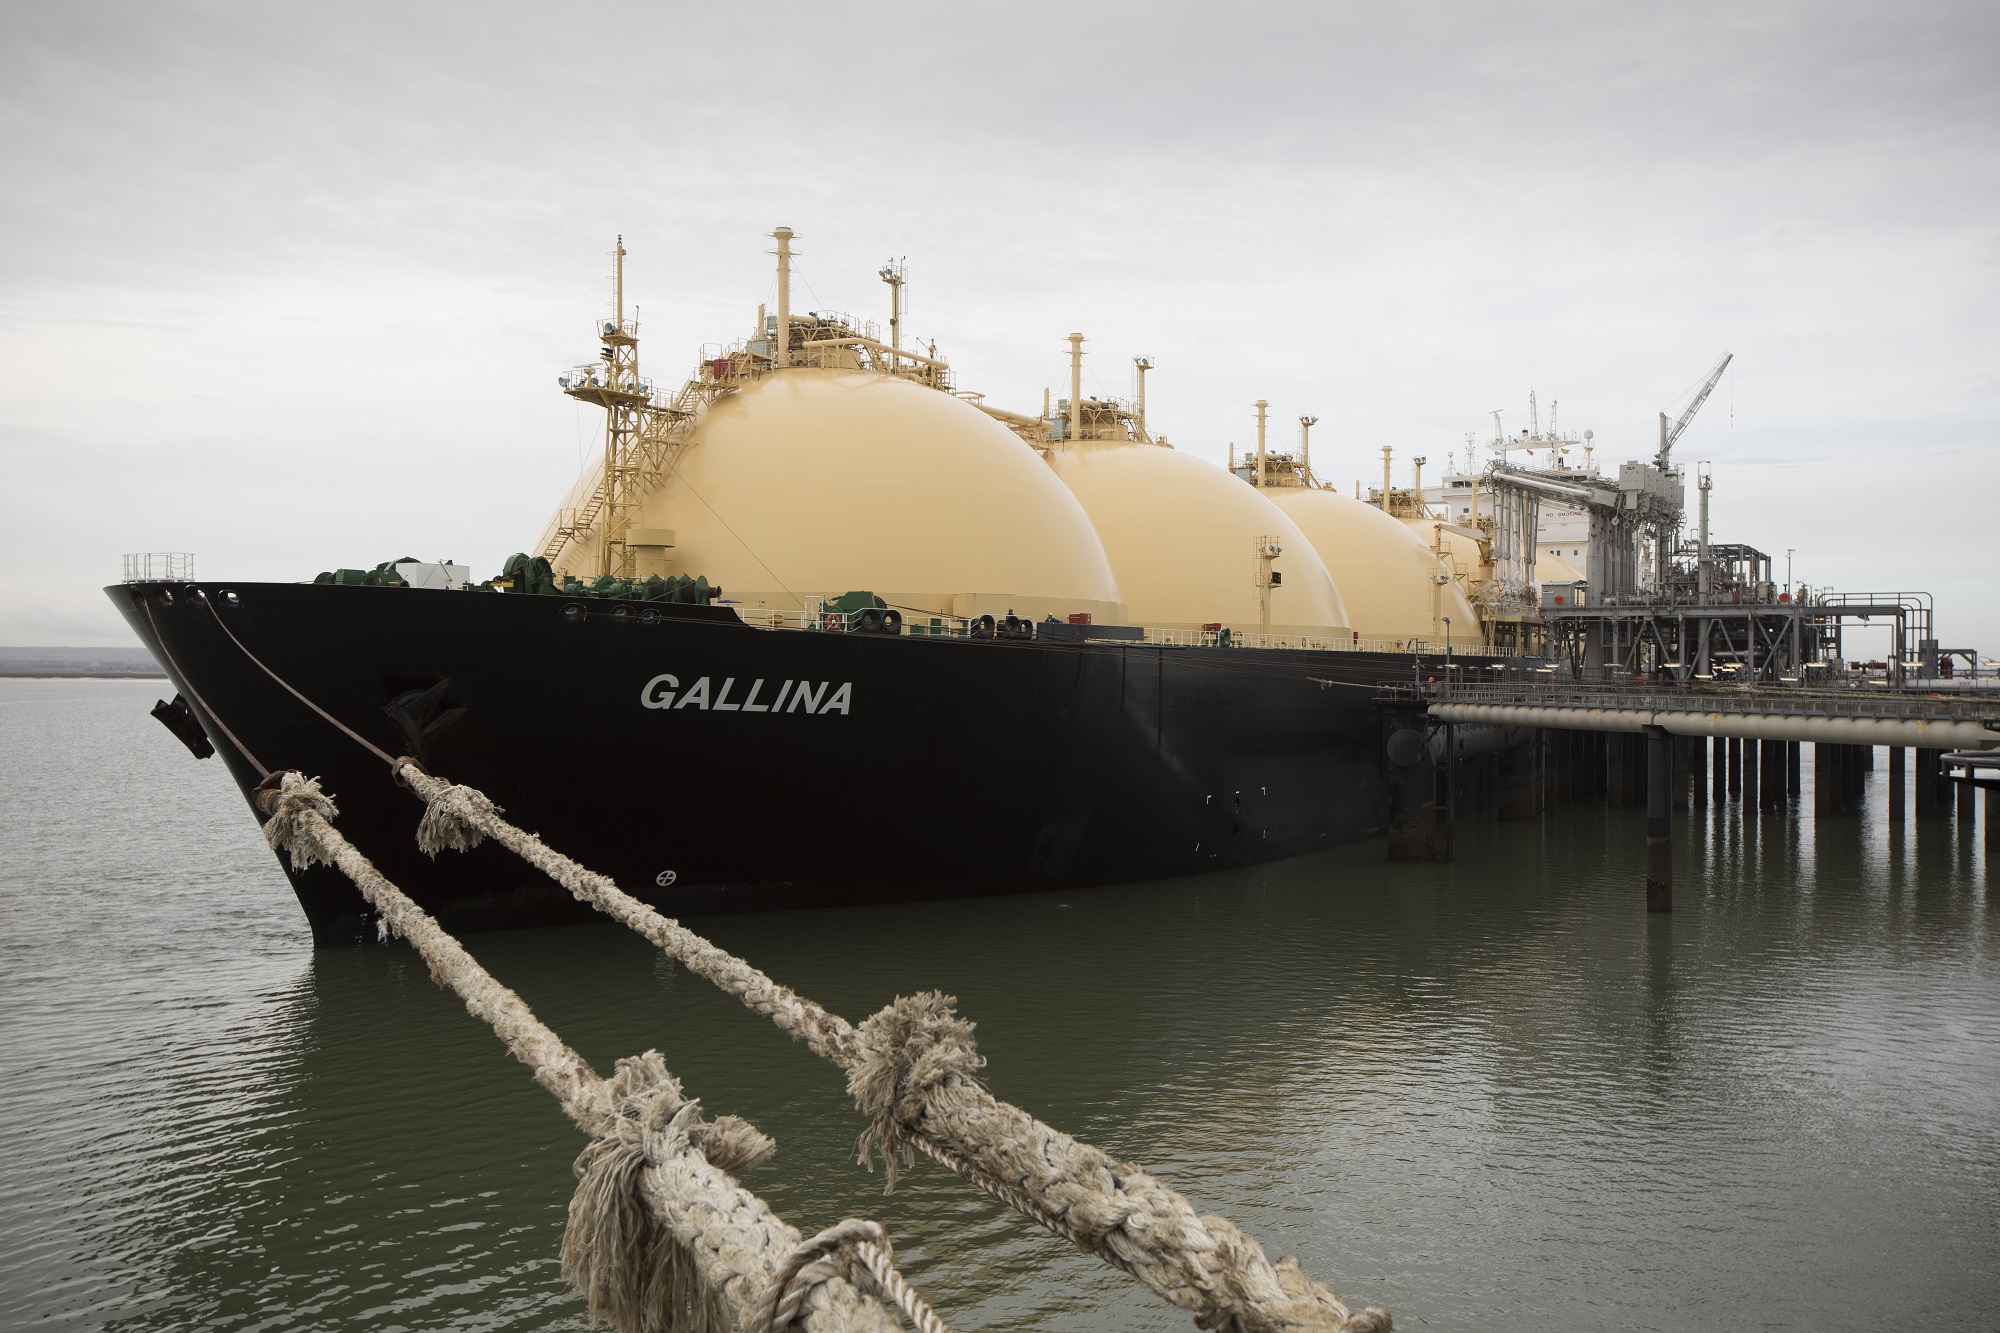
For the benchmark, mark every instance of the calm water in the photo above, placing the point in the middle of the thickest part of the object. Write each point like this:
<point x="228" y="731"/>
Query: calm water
<point x="1488" y="1096"/>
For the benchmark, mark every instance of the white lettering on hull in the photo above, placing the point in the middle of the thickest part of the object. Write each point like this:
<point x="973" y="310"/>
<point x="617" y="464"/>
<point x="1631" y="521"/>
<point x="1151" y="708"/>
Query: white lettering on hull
<point x="664" y="691"/>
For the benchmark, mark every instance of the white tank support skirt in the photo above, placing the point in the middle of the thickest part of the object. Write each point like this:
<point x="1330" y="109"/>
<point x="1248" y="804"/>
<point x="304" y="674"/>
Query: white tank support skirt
<point x="913" y="1070"/>
<point x="660" y="1238"/>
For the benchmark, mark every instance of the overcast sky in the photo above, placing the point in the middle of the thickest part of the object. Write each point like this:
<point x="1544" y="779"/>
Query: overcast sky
<point x="289" y="286"/>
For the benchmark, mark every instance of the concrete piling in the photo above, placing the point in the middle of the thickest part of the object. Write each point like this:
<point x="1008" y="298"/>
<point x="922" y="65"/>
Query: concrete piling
<point x="1898" y="763"/>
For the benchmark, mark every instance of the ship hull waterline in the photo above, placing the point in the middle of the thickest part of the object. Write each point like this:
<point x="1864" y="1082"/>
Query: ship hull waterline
<point x="711" y="766"/>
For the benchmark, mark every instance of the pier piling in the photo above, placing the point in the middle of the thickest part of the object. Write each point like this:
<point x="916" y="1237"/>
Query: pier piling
<point x="1928" y="778"/>
<point x="1617" y="768"/>
<point x="1735" y="767"/>
<point x="1414" y="780"/>
<point x="1752" y="798"/>
<point x="1898" y="764"/>
<point x="1520" y="785"/>
<point x="1659" y="821"/>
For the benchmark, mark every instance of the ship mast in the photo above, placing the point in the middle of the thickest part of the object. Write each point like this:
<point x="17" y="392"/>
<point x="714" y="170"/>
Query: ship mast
<point x="617" y="388"/>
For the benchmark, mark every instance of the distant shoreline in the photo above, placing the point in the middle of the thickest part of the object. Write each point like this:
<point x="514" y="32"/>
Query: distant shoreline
<point x="57" y="662"/>
<point x="82" y="675"/>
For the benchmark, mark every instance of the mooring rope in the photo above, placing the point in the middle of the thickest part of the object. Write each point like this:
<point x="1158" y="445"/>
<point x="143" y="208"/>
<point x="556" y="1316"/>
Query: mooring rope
<point x="660" y="1237"/>
<point x="912" y="1069"/>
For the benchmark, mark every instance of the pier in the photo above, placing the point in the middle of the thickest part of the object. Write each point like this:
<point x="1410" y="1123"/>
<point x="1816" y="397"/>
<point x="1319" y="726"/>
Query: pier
<point x="1456" y="748"/>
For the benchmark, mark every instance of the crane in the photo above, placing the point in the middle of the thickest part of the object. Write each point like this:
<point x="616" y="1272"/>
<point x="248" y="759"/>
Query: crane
<point x="1668" y="434"/>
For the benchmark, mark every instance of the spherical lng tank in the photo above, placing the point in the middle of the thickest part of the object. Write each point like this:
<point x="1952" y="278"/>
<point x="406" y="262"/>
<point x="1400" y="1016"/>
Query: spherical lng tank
<point x="1395" y="587"/>
<point x="1183" y="534"/>
<point x="822" y="481"/>
<point x="1550" y="568"/>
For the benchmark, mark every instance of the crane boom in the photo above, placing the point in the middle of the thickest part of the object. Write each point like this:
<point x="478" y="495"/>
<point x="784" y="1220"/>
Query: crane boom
<point x="1668" y="434"/>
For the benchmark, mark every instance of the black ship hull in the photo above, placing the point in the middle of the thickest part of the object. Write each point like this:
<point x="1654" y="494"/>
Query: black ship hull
<point x="709" y="766"/>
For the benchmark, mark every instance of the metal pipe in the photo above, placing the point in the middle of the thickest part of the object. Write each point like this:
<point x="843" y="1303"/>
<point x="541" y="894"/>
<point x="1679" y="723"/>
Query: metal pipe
<point x="1938" y="734"/>
<point x="857" y="340"/>
<point x="1510" y="478"/>
<point x="1306" y="425"/>
<point x="1142" y="364"/>
<point x="1011" y="418"/>
<point x="1702" y="483"/>
<point x="1075" y="387"/>
<point x="783" y="236"/>
<point x="1385" y="478"/>
<point x="1261" y="405"/>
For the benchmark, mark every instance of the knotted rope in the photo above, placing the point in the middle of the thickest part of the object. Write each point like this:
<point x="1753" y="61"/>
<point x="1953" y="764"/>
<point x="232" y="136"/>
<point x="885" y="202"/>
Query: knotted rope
<point x="911" y="1069"/>
<point x="660" y="1237"/>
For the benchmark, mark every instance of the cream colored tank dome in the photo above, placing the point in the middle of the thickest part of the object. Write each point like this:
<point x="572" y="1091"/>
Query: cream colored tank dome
<point x="1385" y="571"/>
<point x="1182" y="535"/>
<point x="822" y="481"/>
<point x="1554" y="569"/>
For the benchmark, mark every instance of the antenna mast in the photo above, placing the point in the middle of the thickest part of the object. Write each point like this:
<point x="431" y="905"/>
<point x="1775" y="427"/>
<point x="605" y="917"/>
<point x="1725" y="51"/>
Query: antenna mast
<point x="1142" y="364"/>
<point x="895" y="274"/>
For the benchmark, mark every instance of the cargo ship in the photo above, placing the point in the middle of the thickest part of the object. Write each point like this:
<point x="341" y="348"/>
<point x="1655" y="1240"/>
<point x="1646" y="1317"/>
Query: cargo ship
<point x="822" y="628"/>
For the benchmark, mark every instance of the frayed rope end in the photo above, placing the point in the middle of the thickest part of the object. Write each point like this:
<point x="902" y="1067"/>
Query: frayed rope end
<point x="287" y="797"/>
<point x="451" y="820"/>
<point x="903" y="1054"/>
<point x="629" y="1268"/>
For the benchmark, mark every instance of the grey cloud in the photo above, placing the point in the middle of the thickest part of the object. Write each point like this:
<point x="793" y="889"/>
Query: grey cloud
<point x="244" y="243"/>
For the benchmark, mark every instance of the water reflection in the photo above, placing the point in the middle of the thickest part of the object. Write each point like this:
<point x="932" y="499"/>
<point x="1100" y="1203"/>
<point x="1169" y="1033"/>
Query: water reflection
<point x="1493" y="1094"/>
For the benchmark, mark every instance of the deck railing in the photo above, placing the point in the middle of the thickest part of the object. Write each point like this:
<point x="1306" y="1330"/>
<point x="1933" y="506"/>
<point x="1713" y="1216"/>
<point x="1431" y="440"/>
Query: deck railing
<point x="816" y="615"/>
